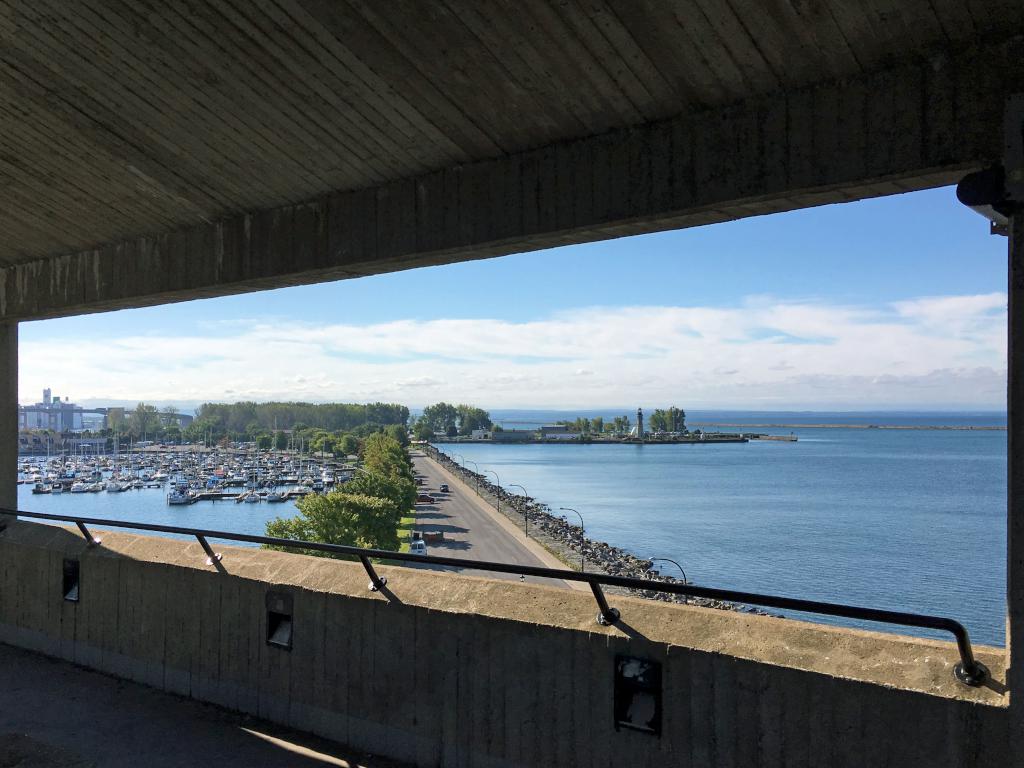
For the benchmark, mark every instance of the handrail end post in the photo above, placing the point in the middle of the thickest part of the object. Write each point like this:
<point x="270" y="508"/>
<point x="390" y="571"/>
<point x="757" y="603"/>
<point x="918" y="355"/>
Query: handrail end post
<point x="973" y="674"/>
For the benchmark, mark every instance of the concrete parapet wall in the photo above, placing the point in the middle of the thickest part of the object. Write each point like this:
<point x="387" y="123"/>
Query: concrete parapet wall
<point x="450" y="670"/>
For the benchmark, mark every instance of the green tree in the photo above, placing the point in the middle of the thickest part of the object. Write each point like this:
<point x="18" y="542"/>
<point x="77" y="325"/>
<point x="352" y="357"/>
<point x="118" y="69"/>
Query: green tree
<point x="399" y="490"/>
<point x="667" y="420"/>
<point x="423" y="430"/>
<point x="383" y="455"/>
<point x="677" y="416"/>
<point x="470" y="417"/>
<point x="658" y="421"/>
<point x="398" y="433"/>
<point x="348" y="445"/>
<point x="201" y="428"/>
<point x="597" y="424"/>
<point x="322" y="442"/>
<point x="280" y="440"/>
<point x="442" y="417"/>
<point x="144" y="420"/>
<point x="340" y="517"/>
<point x="116" y="421"/>
<point x="169" y="415"/>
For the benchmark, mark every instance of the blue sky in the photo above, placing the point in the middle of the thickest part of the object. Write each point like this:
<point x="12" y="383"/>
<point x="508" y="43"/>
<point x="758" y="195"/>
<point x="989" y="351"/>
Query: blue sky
<point x="891" y="302"/>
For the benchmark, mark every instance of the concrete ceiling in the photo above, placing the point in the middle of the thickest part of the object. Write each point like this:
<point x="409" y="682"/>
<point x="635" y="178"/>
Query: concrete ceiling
<point x="124" y="119"/>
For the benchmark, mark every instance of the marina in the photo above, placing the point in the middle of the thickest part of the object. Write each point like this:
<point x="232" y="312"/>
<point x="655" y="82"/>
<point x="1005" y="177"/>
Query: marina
<point x="239" y="474"/>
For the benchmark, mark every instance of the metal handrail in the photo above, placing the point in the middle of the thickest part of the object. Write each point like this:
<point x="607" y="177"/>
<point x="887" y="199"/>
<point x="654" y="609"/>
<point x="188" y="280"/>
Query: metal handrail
<point x="968" y="671"/>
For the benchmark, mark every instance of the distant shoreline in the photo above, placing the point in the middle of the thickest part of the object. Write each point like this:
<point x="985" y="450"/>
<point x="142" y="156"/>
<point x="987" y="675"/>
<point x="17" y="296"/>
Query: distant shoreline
<point x="956" y="427"/>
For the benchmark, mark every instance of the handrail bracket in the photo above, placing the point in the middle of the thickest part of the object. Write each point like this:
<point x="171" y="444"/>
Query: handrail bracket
<point x="376" y="582"/>
<point x="211" y="556"/>
<point x="606" y="615"/>
<point x="93" y="541"/>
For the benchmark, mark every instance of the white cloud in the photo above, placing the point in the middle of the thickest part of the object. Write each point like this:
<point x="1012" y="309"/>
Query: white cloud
<point x="926" y="352"/>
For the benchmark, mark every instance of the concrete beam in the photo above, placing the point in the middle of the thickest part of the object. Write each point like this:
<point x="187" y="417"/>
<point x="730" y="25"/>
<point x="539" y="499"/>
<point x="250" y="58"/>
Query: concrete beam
<point x="916" y="126"/>
<point x="8" y="418"/>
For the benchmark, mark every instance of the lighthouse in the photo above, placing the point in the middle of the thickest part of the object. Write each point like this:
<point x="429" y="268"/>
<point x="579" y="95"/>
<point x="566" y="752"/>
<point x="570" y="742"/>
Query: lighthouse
<point x="640" y="424"/>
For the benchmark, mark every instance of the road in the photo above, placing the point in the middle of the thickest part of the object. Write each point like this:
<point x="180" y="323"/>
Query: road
<point x="471" y="530"/>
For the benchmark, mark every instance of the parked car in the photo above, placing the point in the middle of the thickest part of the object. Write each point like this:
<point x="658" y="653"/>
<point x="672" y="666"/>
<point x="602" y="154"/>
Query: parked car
<point x="418" y="547"/>
<point x="444" y="488"/>
<point x="424" y="498"/>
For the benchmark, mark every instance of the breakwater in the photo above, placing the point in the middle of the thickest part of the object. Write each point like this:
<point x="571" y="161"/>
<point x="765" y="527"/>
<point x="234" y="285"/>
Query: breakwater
<point x="947" y="427"/>
<point x="706" y="438"/>
<point x="569" y="543"/>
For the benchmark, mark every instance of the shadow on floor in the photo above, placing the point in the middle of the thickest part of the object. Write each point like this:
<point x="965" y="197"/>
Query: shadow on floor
<point x="56" y="715"/>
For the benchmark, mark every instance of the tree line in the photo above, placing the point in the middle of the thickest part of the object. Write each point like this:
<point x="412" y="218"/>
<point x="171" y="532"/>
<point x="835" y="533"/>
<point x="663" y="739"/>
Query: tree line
<point x="335" y="428"/>
<point x="246" y="420"/>
<point x="660" y="420"/>
<point x="450" y="420"/>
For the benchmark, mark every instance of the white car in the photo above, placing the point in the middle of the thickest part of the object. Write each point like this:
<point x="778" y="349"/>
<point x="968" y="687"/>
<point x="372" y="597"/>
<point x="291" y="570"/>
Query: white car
<point x="418" y="547"/>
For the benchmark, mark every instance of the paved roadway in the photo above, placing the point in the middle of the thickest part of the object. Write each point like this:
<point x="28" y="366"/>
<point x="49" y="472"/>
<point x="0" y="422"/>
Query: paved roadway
<point x="470" y="530"/>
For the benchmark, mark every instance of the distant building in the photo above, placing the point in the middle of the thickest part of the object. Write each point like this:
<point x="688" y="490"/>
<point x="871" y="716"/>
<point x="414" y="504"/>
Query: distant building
<point x="51" y="413"/>
<point x="557" y="432"/>
<point x="553" y="430"/>
<point x="64" y="416"/>
<point x="514" y="436"/>
<point x="480" y="434"/>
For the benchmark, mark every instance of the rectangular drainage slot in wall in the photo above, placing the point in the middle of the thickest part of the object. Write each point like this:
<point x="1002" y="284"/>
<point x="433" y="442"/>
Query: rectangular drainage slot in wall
<point x="71" y="586"/>
<point x="279" y="619"/>
<point x="637" y="694"/>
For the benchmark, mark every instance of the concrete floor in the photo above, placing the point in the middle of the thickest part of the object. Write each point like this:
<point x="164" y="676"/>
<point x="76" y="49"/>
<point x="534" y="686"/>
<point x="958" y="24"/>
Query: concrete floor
<point x="56" y="715"/>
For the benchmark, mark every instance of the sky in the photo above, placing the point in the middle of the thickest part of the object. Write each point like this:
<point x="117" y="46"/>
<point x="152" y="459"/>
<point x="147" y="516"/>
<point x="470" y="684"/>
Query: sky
<point x="891" y="303"/>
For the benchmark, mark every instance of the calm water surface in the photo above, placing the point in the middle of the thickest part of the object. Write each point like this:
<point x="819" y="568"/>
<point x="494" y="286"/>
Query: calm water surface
<point x="907" y="520"/>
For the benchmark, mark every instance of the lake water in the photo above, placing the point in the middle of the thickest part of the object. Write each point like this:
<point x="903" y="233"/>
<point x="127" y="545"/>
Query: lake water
<point x="908" y="520"/>
<point x="149" y="505"/>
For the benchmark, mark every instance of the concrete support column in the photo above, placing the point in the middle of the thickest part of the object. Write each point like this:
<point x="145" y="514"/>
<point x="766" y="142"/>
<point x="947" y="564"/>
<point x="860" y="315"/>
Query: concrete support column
<point x="1015" y="485"/>
<point x="8" y="417"/>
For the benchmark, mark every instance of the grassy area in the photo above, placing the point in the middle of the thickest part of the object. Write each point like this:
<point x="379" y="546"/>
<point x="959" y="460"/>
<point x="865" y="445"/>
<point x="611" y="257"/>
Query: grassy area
<point x="405" y="527"/>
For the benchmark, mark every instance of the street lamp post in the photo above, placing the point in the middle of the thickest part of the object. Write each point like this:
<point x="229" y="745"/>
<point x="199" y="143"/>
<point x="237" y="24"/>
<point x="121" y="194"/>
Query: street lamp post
<point x="677" y="565"/>
<point x="526" y="510"/>
<point x="497" y="497"/>
<point x="583" y="557"/>
<point x="476" y="475"/>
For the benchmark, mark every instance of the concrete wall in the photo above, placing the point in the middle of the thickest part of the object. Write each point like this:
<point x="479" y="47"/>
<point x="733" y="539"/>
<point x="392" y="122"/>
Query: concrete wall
<point x="1015" y="469"/>
<point x="8" y="417"/>
<point x="458" y="671"/>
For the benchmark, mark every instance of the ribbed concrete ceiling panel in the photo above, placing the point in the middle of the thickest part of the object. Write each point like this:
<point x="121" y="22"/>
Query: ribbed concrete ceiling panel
<point x="126" y="118"/>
